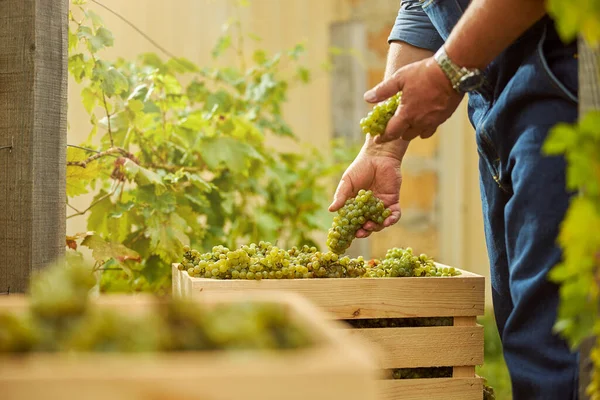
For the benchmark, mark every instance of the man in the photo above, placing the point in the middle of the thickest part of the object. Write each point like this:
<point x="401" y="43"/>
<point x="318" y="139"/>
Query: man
<point x="521" y="80"/>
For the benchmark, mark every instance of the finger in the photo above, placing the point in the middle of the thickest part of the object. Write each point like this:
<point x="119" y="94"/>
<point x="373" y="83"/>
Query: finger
<point x="386" y="89"/>
<point x="392" y="219"/>
<point x="427" y="133"/>
<point x="361" y="234"/>
<point x="397" y="126"/>
<point x="374" y="228"/>
<point x="411" y="133"/>
<point x="369" y="226"/>
<point x="342" y="193"/>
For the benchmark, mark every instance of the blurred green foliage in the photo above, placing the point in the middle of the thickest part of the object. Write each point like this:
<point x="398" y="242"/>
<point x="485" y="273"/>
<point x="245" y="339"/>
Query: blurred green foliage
<point x="494" y="369"/>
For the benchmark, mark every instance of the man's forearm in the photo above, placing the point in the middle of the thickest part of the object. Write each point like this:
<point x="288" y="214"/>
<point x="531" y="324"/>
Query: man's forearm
<point x="399" y="55"/>
<point x="488" y="27"/>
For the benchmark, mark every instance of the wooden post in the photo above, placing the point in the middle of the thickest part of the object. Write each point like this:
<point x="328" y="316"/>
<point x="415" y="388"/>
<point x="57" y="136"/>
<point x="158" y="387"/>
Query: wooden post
<point x="33" y="128"/>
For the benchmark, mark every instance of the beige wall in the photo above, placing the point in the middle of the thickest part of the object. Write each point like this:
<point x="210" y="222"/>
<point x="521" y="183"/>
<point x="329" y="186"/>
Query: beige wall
<point x="440" y="195"/>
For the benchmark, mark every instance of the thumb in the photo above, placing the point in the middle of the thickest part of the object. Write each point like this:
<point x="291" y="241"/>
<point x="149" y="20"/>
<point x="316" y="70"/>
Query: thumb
<point x="342" y="193"/>
<point x="387" y="88"/>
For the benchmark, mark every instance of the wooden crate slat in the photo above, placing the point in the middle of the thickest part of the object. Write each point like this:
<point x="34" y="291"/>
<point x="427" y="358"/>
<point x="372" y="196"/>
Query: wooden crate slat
<point x="465" y="371"/>
<point x="432" y="389"/>
<point x="348" y="298"/>
<point x="445" y="346"/>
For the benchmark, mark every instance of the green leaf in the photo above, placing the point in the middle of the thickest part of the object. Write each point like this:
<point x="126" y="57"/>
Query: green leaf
<point x="95" y="18"/>
<point x="560" y="139"/>
<point x="167" y="237"/>
<point x="584" y="18"/>
<point x="73" y="41"/>
<point x="222" y="45"/>
<point x="296" y="51"/>
<point x="181" y="65"/>
<point x="96" y="41"/>
<point x="103" y="250"/>
<point x="112" y="81"/>
<point x="226" y="152"/>
<point x="89" y="99"/>
<point x="79" y="178"/>
<point x="144" y="176"/>
<point x="303" y="74"/>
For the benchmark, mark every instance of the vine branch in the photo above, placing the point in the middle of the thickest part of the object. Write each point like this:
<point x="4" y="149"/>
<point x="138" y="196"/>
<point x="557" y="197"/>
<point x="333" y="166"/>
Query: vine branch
<point x="78" y="213"/>
<point x="138" y="30"/>
<point x="100" y="154"/>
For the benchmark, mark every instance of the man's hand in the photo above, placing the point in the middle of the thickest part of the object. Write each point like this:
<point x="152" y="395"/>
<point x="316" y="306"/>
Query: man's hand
<point x="378" y="170"/>
<point x="428" y="100"/>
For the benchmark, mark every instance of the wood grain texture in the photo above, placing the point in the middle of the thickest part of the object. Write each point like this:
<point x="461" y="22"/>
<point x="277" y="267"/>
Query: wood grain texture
<point x="427" y="347"/>
<point x="432" y="389"/>
<point x="33" y="110"/>
<point x="364" y="298"/>
<point x="339" y="367"/>
<point x="465" y="371"/>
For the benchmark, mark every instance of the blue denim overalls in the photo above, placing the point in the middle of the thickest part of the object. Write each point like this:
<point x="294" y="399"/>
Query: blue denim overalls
<point x="529" y="88"/>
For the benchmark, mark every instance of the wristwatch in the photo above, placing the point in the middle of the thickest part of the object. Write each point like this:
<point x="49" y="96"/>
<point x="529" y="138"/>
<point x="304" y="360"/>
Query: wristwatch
<point x="463" y="79"/>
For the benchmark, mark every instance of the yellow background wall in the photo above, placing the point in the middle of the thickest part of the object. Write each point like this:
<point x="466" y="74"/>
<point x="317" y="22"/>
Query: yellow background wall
<point x="440" y="193"/>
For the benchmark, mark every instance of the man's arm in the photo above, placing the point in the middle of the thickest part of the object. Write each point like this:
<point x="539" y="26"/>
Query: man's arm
<point x="490" y="26"/>
<point x="485" y="30"/>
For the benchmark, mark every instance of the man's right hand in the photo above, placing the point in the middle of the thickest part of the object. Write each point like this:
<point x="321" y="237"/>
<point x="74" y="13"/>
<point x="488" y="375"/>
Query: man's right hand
<point x="376" y="168"/>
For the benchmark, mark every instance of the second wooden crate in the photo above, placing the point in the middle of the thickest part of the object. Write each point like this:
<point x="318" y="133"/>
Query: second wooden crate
<point x="334" y="368"/>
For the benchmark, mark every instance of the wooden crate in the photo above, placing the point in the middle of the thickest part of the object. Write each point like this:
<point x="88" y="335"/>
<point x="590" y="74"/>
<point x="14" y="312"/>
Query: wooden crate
<point x="337" y="367"/>
<point x="459" y="346"/>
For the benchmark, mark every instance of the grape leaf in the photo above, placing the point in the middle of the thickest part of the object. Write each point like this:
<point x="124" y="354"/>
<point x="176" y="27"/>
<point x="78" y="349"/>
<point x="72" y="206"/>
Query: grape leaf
<point x="103" y="250"/>
<point x="79" y="178"/>
<point x="167" y="237"/>
<point x="227" y="152"/>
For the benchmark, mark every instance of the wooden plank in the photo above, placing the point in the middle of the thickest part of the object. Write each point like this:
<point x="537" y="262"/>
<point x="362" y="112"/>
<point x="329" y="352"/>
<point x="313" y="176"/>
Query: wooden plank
<point x="33" y="111"/>
<point x="465" y="371"/>
<point x="366" y="297"/>
<point x="339" y="366"/>
<point x="445" y="346"/>
<point x="432" y="389"/>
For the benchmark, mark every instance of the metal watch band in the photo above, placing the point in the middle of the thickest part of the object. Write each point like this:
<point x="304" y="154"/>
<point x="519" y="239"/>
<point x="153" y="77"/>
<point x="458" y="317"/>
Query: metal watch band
<point x="462" y="79"/>
<point x="451" y="70"/>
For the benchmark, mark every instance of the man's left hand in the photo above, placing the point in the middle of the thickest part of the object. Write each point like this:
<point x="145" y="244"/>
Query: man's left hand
<point x="428" y="100"/>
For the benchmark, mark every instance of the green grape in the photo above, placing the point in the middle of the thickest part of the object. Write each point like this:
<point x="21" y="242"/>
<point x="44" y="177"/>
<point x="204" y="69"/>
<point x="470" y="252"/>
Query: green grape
<point x="352" y="216"/>
<point x="17" y="333"/>
<point x="377" y="119"/>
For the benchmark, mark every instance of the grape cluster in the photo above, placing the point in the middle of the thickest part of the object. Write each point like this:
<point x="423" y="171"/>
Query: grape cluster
<point x="403" y="263"/>
<point x="61" y="318"/>
<point x="377" y="119"/>
<point x="266" y="261"/>
<point x="351" y="216"/>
